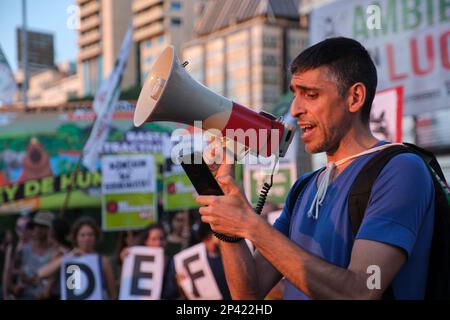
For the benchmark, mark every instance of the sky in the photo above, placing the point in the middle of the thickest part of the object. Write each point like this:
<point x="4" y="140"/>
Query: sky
<point x="49" y="16"/>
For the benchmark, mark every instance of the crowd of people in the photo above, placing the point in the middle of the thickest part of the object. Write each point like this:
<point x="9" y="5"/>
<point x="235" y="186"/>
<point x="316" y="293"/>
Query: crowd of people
<point x="30" y="260"/>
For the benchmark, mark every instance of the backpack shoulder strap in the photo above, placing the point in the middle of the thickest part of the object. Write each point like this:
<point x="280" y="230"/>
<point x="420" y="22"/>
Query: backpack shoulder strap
<point x="359" y="195"/>
<point x="296" y="190"/>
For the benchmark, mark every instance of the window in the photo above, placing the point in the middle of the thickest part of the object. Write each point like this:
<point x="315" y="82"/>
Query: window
<point x="175" y="21"/>
<point x="175" y="5"/>
<point x="269" y="41"/>
<point x="148" y="44"/>
<point x="148" y="59"/>
<point x="270" y="60"/>
<point x="161" y="39"/>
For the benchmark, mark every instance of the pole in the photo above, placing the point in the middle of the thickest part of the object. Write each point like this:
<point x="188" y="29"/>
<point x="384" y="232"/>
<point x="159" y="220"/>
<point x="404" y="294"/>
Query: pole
<point x="75" y="173"/>
<point x="24" y="54"/>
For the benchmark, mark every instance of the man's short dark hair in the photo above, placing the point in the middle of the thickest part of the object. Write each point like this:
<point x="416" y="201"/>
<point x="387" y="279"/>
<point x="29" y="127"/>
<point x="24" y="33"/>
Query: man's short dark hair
<point x="347" y="60"/>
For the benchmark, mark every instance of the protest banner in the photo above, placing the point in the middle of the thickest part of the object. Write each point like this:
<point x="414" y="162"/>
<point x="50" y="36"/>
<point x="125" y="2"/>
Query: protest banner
<point x="57" y="136"/>
<point x="194" y="272"/>
<point x="142" y="274"/>
<point x="104" y="102"/>
<point x="386" y="115"/>
<point x="408" y="41"/>
<point x="81" y="278"/>
<point x="8" y="86"/>
<point x="283" y="179"/>
<point x="128" y="191"/>
<point x="178" y="191"/>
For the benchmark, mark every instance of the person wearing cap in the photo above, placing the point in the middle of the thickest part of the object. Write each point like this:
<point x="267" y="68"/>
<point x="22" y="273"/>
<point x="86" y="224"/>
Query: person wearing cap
<point x="35" y="255"/>
<point x="13" y="253"/>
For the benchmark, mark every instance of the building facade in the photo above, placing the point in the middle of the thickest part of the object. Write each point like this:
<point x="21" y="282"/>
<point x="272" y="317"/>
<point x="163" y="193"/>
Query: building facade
<point x="243" y="49"/>
<point x="40" y="50"/>
<point x="103" y="24"/>
<point x="159" y="23"/>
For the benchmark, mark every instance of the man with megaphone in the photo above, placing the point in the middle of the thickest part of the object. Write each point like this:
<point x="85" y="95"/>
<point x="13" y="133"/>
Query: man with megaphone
<point x="336" y="238"/>
<point x="322" y="251"/>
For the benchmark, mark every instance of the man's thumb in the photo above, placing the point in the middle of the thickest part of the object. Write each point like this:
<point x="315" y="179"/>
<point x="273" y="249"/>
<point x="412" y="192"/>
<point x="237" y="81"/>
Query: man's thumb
<point x="227" y="184"/>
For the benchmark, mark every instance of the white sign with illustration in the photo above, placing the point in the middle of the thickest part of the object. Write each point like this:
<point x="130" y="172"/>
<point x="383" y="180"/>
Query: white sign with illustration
<point x="386" y="115"/>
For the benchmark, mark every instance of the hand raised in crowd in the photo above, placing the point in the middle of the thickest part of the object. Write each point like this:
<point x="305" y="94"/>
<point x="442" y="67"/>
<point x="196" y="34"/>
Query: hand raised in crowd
<point x="123" y="254"/>
<point x="76" y="252"/>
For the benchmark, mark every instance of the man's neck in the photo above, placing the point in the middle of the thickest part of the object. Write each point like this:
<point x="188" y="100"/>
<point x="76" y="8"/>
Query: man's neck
<point x="355" y="141"/>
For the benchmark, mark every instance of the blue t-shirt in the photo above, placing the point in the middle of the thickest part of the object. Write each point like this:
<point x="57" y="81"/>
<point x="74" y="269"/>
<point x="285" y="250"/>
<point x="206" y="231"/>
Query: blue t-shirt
<point x="400" y="212"/>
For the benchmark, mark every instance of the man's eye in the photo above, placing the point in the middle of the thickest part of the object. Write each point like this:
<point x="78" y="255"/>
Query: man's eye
<point x="311" y="95"/>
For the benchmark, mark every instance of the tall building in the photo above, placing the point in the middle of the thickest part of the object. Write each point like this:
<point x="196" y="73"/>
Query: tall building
<point x="103" y="24"/>
<point x="159" y="23"/>
<point x="243" y="49"/>
<point x="40" y="50"/>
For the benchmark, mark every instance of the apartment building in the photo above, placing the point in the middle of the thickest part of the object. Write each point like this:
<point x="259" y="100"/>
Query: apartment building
<point x="159" y="23"/>
<point x="103" y="24"/>
<point x="243" y="49"/>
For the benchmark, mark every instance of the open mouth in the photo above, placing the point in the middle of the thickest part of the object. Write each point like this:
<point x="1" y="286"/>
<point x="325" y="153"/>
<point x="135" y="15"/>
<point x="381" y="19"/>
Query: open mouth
<point x="307" y="129"/>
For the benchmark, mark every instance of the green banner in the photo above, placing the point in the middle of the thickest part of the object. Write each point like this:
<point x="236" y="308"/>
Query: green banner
<point x="39" y="152"/>
<point x="178" y="192"/>
<point x="284" y="178"/>
<point x="128" y="191"/>
<point x="128" y="211"/>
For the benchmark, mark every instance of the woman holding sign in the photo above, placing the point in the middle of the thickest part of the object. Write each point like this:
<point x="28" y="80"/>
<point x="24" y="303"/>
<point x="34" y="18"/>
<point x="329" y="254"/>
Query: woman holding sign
<point x="85" y="234"/>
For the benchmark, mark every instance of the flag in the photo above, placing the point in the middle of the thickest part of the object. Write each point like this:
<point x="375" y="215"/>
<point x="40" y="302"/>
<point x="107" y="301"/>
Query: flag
<point x="104" y="102"/>
<point x="8" y="85"/>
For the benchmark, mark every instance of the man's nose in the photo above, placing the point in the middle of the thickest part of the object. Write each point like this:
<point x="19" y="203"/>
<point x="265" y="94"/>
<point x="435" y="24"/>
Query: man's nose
<point x="297" y="108"/>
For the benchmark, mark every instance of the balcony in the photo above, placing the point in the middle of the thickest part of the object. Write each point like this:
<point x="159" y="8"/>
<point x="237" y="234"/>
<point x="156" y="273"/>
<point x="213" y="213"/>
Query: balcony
<point x="89" y="53"/>
<point x="139" y="5"/>
<point x="147" y="17"/>
<point x="148" y="31"/>
<point x="81" y="2"/>
<point x="89" y="38"/>
<point x="89" y="9"/>
<point x="90" y="23"/>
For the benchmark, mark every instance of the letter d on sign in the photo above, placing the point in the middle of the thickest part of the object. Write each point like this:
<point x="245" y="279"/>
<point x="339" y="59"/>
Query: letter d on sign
<point x="74" y="281"/>
<point x="374" y="280"/>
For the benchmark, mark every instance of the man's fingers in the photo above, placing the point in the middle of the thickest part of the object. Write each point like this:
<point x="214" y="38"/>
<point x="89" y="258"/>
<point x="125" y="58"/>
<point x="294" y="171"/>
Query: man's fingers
<point x="227" y="184"/>
<point x="205" y="218"/>
<point x="206" y="200"/>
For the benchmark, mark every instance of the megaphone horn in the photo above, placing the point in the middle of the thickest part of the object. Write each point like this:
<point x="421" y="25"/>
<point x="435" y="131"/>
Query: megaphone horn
<point x="171" y="94"/>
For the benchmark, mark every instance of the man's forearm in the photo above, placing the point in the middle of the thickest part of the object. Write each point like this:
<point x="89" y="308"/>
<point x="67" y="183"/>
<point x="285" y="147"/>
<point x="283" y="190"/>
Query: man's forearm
<point x="312" y="275"/>
<point x="240" y="270"/>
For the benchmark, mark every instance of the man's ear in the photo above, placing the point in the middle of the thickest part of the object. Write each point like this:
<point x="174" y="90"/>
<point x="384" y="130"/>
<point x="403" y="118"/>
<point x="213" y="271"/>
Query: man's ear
<point x="356" y="97"/>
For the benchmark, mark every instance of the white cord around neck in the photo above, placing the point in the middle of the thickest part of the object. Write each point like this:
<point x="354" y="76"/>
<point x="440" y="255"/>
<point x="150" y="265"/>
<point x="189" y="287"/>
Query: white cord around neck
<point x="329" y="172"/>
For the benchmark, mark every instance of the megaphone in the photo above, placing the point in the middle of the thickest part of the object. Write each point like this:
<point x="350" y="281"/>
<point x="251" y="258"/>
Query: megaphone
<point x="170" y="94"/>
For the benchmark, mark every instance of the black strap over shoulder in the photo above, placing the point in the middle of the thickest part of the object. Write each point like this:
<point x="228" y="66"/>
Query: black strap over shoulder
<point x="297" y="190"/>
<point x="359" y="194"/>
